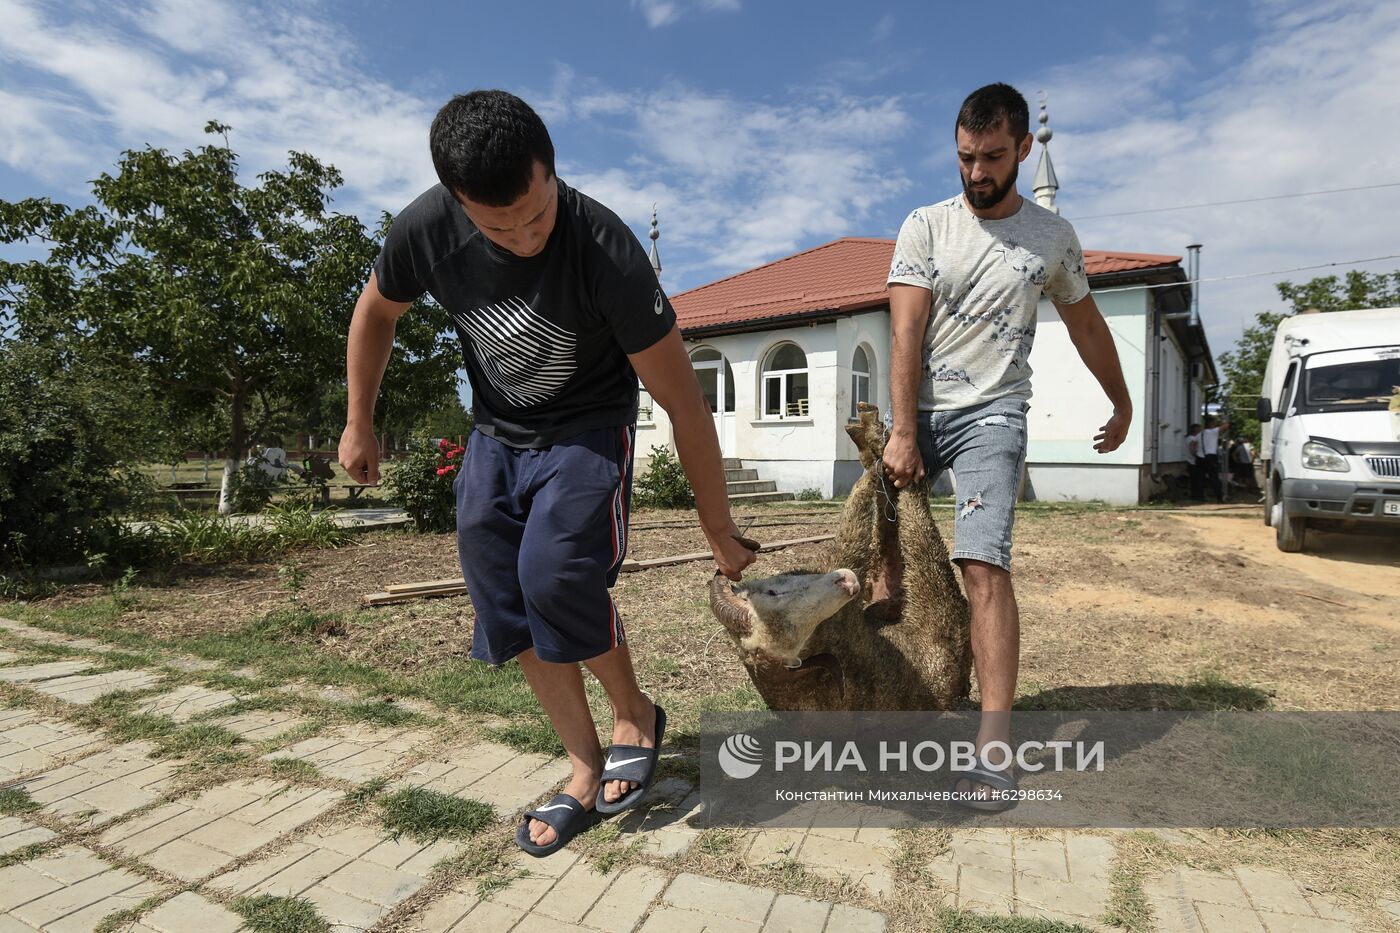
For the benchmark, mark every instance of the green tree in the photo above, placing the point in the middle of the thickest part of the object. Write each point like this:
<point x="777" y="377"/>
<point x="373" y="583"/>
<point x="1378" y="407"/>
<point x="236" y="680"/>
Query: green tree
<point x="67" y="450"/>
<point x="1242" y="368"/>
<point x="235" y="300"/>
<point x="450" y="421"/>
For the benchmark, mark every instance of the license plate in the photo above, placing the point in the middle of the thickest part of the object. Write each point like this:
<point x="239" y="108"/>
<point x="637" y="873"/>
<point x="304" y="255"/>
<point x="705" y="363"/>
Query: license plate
<point x="1392" y="507"/>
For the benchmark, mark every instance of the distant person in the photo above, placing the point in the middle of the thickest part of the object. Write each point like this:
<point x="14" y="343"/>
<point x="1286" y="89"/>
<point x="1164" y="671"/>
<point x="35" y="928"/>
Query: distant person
<point x="1227" y="466"/>
<point x="1210" y="457"/>
<point x="1193" y="461"/>
<point x="1242" y="465"/>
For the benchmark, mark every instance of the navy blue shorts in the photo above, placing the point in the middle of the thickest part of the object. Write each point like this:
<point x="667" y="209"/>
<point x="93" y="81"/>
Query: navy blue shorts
<point x="541" y="535"/>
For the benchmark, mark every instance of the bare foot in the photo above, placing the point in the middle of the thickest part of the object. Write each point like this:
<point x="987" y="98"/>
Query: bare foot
<point x="631" y="727"/>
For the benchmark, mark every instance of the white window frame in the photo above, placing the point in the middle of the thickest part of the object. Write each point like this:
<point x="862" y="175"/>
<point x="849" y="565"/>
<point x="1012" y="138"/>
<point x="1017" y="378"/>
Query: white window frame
<point x="781" y="376"/>
<point x="859" y="377"/>
<point x="646" y="405"/>
<point x="726" y="397"/>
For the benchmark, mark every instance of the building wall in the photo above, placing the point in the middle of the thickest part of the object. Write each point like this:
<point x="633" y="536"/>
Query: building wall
<point x="796" y="453"/>
<point x="1117" y="484"/>
<point x="1176" y="400"/>
<point x="1067" y="407"/>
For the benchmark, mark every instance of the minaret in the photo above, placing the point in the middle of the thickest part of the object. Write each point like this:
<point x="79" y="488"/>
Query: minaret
<point x="1046" y="184"/>
<point x="655" y="235"/>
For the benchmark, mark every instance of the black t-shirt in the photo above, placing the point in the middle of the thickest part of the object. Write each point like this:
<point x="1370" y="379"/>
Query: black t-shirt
<point x="544" y="338"/>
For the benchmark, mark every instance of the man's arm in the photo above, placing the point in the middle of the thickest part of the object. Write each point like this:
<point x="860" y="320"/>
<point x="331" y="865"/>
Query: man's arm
<point x="909" y="310"/>
<point x="1094" y="342"/>
<point x="367" y="353"/>
<point x="665" y="370"/>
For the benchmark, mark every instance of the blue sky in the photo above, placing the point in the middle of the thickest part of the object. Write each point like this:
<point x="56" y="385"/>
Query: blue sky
<point x="761" y="128"/>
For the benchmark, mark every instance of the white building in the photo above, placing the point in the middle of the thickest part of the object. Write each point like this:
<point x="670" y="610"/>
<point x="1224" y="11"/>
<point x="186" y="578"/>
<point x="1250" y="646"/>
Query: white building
<point x="786" y="350"/>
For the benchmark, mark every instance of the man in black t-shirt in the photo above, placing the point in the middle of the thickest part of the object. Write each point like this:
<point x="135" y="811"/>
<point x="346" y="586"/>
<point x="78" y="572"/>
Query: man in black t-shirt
<point x="558" y="312"/>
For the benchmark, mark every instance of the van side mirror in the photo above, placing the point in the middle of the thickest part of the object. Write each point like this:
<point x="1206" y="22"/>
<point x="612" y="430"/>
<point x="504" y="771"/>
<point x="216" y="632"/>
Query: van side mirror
<point x="1263" y="409"/>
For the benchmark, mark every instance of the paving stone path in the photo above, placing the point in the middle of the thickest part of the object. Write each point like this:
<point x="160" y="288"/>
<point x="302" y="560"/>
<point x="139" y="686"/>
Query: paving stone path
<point x="113" y="829"/>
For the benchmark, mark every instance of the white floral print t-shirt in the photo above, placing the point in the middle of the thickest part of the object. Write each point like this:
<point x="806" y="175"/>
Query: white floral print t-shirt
<point x="986" y="277"/>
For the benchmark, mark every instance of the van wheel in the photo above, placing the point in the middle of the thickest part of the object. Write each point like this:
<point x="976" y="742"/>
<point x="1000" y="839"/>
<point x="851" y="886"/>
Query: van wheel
<point x="1289" y="530"/>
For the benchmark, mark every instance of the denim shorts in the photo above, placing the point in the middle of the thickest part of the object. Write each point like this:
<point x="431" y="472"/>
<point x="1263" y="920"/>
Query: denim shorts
<point x="985" y="447"/>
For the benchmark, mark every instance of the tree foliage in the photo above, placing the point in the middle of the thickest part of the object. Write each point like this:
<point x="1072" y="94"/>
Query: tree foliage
<point x="1242" y="368"/>
<point x="66" y="451"/>
<point x="235" y="301"/>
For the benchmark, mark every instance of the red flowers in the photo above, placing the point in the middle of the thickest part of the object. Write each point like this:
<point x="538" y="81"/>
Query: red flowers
<point x="449" y="457"/>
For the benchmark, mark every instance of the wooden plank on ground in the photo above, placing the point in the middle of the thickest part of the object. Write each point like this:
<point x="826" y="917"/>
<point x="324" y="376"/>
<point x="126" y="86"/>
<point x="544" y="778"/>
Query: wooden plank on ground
<point x="402" y="592"/>
<point x="738" y="518"/>
<point x="631" y="566"/>
<point x="425" y="585"/>
<point x="383" y="599"/>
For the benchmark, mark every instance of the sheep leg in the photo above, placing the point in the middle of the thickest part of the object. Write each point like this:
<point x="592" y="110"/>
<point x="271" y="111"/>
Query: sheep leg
<point x="934" y="606"/>
<point x="853" y="547"/>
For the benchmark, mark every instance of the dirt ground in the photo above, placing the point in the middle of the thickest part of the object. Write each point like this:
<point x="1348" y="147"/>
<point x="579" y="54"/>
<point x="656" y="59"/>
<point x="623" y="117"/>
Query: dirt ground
<point x="1120" y="609"/>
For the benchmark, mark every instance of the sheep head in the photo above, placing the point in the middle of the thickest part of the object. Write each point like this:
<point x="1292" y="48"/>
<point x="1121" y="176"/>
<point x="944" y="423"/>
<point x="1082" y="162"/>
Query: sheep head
<point x="775" y="616"/>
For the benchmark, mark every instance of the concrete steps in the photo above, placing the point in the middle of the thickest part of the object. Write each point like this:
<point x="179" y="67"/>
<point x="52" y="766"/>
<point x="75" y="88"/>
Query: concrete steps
<point x="752" y="485"/>
<point x="749" y="498"/>
<point x="744" y="486"/>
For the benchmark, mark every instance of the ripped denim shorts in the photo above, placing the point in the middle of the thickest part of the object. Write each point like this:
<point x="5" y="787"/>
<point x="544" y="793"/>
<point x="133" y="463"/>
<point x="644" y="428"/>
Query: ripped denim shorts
<point x="985" y="447"/>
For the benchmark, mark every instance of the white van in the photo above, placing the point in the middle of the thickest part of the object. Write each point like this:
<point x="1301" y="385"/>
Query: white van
<point x="1330" y="423"/>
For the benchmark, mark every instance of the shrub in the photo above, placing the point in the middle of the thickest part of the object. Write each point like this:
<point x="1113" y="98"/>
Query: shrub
<point x="210" y="538"/>
<point x="421" y="484"/>
<point x="296" y="523"/>
<point x="665" y="485"/>
<point x="250" y="489"/>
<point x="810" y="494"/>
<point x="66" y="443"/>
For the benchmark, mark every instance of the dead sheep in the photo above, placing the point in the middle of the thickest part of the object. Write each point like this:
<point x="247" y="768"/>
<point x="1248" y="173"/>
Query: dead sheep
<point x="814" y="640"/>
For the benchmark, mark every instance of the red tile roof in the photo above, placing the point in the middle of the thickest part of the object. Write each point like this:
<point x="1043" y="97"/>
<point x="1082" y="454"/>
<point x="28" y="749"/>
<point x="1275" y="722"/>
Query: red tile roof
<point x="844" y="275"/>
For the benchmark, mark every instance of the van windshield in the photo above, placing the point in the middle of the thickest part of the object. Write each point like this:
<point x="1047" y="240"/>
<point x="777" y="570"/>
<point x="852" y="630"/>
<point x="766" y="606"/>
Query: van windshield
<point x="1355" y="385"/>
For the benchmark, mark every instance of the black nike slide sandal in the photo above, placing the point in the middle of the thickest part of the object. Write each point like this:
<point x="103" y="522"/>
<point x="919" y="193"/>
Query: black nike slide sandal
<point x="631" y="763"/>
<point x="998" y="782"/>
<point x="565" y="815"/>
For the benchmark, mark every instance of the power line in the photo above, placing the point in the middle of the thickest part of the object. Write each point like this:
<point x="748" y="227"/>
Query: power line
<point x="1250" y="275"/>
<point x="1272" y="197"/>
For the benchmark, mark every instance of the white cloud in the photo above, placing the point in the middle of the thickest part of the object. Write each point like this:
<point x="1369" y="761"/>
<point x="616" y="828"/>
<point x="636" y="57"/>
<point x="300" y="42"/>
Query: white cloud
<point x="1309" y="104"/>
<point x="737" y="181"/>
<point x="157" y="71"/>
<point x="660" y="13"/>
<point x="740" y="182"/>
<point x="28" y="136"/>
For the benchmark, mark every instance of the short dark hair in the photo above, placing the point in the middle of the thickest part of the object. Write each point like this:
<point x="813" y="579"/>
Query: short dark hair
<point x="986" y="108"/>
<point x="485" y="145"/>
<point x="1194" y="428"/>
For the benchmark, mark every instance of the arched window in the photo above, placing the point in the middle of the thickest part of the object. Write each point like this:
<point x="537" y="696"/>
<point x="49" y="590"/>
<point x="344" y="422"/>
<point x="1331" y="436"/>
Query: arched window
<point x="860" y="381"/>
<point x="785" y="383"/>
<point x="707" y="363"/>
